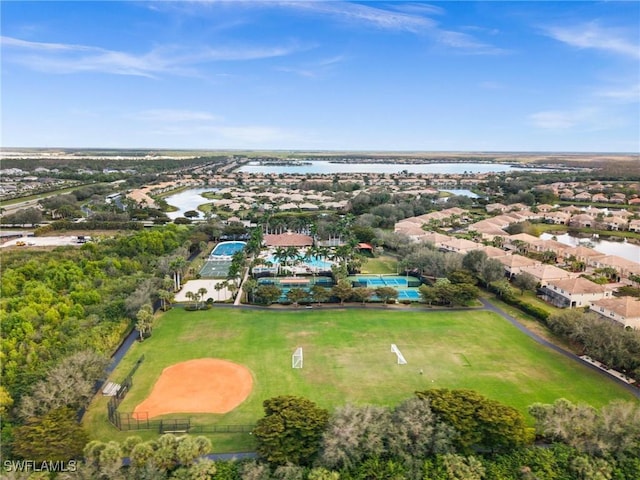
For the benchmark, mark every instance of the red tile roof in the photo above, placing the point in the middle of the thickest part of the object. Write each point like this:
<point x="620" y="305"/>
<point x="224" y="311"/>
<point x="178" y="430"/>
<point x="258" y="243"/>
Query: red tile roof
<point x="288" y="239"/>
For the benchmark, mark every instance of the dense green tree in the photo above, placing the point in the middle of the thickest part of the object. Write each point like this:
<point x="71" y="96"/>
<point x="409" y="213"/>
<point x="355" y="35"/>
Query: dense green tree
<point x="68" y="384"/>
<point x="290" y="431"/>
<point x="362" y="294"/>
<point x="342" y="290"/>
<point x="614" y="430"/>
<point x="479" y="421"/>
<point x="525" y="281"/>
<point x="54" y="437"/>
<point x="320" y="294"/>
<point x="268" y="294"/>
<point x="353" y="434"/>
<point x="416" y="432"/>
<point x="297" y="295"/>
<point x="386" y="293"/>
<point x="451" y="466"/>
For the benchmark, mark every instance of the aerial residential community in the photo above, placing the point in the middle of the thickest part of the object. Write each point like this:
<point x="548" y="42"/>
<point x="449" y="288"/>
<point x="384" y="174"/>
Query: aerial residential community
<point x="320" y="240"/>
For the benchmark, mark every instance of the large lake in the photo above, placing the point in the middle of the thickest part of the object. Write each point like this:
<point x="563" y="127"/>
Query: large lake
<point x="621" y="249"/>
<point x="325" y="167"/>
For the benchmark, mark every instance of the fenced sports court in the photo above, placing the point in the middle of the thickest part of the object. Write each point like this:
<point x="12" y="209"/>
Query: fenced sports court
<point x="371" y="281"/>
<point x="219" y="260"/>
<point x="406" y="286"/>
<point x="215" y="268"/>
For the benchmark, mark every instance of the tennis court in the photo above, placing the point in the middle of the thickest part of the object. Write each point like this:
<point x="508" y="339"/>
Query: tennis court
<point x="215" y="269"/>
<point x="409" y="294"/>
<point x="407" y="286"/>
<point x="384" y="281"/>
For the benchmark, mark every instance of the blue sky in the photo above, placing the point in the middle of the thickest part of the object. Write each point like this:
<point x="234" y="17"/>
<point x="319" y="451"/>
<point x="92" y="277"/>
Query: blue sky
<point x="322" y="75"/>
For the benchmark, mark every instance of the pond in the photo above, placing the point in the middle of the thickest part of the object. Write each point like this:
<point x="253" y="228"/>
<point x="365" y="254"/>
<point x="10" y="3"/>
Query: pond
<point x="187" y="200"/>
<point x="621" y="249"/>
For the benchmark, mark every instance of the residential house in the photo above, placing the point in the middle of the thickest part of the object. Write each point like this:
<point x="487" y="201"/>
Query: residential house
<point x="494" y="252"/>
<point x="520" y="242"/>
<point x="582" y="197"/>
<point x="615" y="223"/>
<point x="582" y="220"/>
<point x="513" y="264"/>
<point x="567" y="195"/>
<point x="624" y="310"/>
<point x="544" y="207"/>
<point x="541" y="246"/>
<point x="437" y="239"/>
<point x="459" y="245"/>
<point x="634" y="226"/>
<point x="495" y="207"/>
<point x="618" y="198"/>
<point x="622" y="265"/>
<point x="573" y="292"/>
<point x="546" y="273"/>
<point x="557" y="218"/>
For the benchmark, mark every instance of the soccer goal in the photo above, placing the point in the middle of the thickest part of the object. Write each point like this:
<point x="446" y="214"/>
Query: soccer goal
<point x="396" y="350"/>
<point x="296" y="358"/>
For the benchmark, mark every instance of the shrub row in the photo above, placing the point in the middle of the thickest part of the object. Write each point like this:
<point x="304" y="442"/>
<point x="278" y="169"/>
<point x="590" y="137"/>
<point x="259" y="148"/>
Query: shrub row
<point x="533" y="310"/>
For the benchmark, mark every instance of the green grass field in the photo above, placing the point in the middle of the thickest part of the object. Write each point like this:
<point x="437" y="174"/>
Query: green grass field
<point x="382" y="264"/>
<point x="347" y="358"/>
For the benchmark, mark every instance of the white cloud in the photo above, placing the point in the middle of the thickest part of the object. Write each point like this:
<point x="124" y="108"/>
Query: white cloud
<point x="466" y="43"/>
<point x="68" y="58"/>
<point x="175" y="116"/>
<point x="591" y="35"/>
<point x="314" y="69"/>
<point x="587" y="118"/>
<point x="629" y="94"/>
<point x="413" y="18"/>
<point x="168" y="122"/>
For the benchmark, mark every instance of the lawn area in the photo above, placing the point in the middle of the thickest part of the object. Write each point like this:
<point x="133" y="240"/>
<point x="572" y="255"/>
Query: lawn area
<point x="380" y="265"/>
<point x="347" y="358"/>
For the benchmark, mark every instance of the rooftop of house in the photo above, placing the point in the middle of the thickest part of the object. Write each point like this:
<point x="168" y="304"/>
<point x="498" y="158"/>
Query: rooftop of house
<point x="627" y="307"/>
<point x="578" y="285"/>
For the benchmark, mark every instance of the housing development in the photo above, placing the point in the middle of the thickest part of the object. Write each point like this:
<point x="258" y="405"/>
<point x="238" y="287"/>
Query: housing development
<point x="218" y="292"/>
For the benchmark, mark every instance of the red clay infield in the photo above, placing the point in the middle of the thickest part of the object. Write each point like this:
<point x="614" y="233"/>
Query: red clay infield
<point x="205" y="385"/>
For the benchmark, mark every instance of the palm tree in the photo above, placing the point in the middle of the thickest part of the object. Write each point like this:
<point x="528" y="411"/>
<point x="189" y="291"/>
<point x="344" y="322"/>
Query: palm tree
<point x="219" y="286"/>
<point x="201" y="293"/>
<point x="280" y="254"/>
<point x="191" y="296"/>
<point x="292" y="253"/>
<point x="166" y="297"/>
<point x="177" y="265"/>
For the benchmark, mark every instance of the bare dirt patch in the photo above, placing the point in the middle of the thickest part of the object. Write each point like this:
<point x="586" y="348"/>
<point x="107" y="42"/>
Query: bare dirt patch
<point x="205" y="385"/>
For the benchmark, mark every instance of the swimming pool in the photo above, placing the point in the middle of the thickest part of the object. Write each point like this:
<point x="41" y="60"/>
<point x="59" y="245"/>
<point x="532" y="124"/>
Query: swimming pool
<point x="316" y="263"/>
<point x="227" y="249"/>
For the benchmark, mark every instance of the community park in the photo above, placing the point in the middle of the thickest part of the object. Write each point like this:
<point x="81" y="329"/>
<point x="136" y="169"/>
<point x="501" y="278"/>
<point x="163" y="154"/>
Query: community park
<point x="209" y="371"/>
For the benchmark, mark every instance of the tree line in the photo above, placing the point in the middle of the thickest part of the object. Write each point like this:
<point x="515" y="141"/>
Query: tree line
<point x="438" y="434"/>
